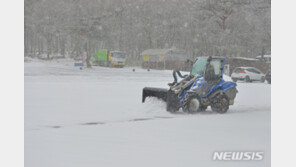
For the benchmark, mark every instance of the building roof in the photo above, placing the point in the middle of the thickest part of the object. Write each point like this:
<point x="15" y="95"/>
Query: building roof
<point x="245" y="58"/>
<point x="265" y="56"/>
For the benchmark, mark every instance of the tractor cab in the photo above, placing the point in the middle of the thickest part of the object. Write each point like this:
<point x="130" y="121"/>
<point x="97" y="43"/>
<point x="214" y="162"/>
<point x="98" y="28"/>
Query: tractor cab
<point x="210" y="68"/>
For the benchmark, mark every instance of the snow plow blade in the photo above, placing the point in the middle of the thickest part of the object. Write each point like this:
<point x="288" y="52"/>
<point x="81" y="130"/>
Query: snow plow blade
<point x="154" y="92"/>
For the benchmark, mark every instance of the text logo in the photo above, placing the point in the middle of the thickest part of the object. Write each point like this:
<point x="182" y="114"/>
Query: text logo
<point x="237" y="156"/>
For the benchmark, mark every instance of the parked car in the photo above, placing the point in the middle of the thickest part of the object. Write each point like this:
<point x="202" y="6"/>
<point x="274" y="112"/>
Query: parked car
<point x="268" y="76"/>
<point x="247" y="74"/>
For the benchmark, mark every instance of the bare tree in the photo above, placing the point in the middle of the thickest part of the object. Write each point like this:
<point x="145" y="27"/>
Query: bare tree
<point x="60" y="28"/>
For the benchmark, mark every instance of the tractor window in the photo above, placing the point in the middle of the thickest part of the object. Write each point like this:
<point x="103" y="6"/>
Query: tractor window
<point x="217" y="66"/>
<point x="199" y="66"/>
<point x="213" y="70"/>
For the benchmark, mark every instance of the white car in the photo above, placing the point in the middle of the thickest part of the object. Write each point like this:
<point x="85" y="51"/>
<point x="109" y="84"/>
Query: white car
<point x="247" y="74"/>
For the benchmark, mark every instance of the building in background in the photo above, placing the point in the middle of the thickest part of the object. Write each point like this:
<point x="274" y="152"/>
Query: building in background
<point x="265" y="58"/>
<point x="165" y="59"/>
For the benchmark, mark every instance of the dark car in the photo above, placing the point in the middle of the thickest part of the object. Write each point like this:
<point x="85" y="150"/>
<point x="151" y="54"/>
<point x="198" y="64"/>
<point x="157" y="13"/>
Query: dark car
<point x="268" y="76"/>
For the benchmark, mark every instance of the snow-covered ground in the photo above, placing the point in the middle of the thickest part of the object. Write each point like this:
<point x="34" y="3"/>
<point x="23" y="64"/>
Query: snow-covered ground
<point x="94" y="117"/>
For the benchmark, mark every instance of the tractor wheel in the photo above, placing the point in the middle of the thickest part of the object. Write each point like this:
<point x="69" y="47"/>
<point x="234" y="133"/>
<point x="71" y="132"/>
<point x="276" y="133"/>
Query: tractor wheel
<point x="194" y="105"/>
<point x="220" y="103"/>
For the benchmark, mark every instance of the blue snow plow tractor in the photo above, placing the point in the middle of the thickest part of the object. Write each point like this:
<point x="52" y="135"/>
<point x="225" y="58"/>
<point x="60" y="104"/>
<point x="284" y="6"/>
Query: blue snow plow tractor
<point x="203" y="87"/>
